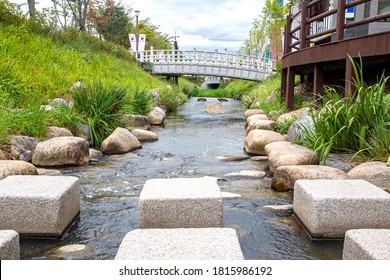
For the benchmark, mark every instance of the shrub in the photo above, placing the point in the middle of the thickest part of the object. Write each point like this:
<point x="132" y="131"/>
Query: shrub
<point x="171" y="99"/>
<point x="102" y="108"/>
<point x="358" y="124"/>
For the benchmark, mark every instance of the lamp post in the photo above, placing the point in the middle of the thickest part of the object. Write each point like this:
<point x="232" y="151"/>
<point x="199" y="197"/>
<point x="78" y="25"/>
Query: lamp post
<point x="136" y="30"/>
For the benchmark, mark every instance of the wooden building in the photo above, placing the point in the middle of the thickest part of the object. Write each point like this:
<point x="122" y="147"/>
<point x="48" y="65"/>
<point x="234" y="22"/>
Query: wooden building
<point x="322" y="35"/>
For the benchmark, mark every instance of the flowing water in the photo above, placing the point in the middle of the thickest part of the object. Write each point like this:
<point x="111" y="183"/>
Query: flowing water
<point x="188" y="146"/>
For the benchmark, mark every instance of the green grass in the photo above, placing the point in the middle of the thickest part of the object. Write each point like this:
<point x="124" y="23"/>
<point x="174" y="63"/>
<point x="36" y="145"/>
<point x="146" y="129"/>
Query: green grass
<point x="358" y="124"/>
<point x="38" y="64"/>
<point x="140" y="103"/>
<point x="102" y="107"/>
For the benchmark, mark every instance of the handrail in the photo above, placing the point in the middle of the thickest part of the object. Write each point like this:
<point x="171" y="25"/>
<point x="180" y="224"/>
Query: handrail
<point x="207" y="58"/>
<point x="301" y="35"/>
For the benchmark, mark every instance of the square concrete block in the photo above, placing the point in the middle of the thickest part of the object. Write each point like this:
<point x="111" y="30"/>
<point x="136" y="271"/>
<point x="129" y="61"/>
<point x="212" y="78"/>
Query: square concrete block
<point x="367" y="244"/>
<point x="180" y="244"/>
<point x="329" y="208"/>
<point x="181" y="203"/>
<point x="39" y="205"/>
<point x="9" y="245"/>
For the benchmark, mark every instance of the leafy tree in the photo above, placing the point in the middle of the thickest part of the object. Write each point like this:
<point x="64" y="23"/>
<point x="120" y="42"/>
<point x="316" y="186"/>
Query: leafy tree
<point x="119" y="26"/>
<point x="31" y="8"/>
<point x="267" y="28"/>
<point x="99" y="14"/>
<point x="79" y="10"/>
<point x="153" y="37"/>
<point x="59" y="16"/>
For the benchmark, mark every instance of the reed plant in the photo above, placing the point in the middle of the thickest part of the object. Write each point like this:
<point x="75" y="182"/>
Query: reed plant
<point x="101" y="106"/>
<point x="357" y="124"/>
<point x="140" y="103"/>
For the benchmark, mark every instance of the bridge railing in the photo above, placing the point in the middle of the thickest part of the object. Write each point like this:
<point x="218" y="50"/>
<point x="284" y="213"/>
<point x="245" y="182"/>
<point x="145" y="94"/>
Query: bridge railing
<point x="195" y="56"/>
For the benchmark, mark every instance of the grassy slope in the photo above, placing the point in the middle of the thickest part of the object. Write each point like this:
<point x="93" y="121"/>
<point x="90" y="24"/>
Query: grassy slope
<point x="34" y="69"/>
<point x="50" y="69"/>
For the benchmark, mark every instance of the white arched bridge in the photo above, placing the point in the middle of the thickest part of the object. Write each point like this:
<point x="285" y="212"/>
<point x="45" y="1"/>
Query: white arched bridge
<point x="203" y="63"/>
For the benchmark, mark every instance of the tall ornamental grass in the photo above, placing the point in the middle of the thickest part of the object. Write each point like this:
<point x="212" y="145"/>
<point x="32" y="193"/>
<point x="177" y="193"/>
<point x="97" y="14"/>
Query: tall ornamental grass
<point x="101" y="106"/>
<point x="358" y="124"/>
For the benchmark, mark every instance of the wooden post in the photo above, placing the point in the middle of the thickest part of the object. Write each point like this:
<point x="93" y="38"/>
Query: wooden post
<point x="290" y="89"/>
<point x="287" y="36"/>
<point x="304" y="29"/>
<point x="349" y="77"/>
<point x="318" y="81"/>
<point x="340" y="20"/>
<point x="283" y="85"/>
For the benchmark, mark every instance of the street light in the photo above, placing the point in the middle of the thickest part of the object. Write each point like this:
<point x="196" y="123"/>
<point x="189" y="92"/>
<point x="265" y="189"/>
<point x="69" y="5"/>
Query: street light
<point x="136" y="30"/>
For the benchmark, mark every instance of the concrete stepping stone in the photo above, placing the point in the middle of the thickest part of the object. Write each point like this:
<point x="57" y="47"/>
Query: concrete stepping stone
<point x="181" y="203"/>
<point x="9" y="245"/>
<point x="180" y="244"/>
<point x="39" y="205"/>
<point x="329" y="208"/>
<point x="367" y="244"/>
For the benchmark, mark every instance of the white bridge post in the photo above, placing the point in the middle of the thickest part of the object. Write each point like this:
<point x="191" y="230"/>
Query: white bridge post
<point x="151" y="58"/>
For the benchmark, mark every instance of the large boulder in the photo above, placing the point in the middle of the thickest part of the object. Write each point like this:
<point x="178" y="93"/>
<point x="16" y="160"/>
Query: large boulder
<point x="60" y="151"/>
<point x="156" y="116"/>
<point x="57" y="102"/>
<point x="257" y="139"/>
<point x="297" y="129"/>
<point x="260" y="124"/>
<point x="121" y="141"/>
<point x="284" y="153"/>
<point x="377" y="173"/>
<point x="256" y="117"/>
<point x="136" y="121"/>
<point x="285" y="176"/>
<point x="2" y="155"/>
<point x="83" y="131"/>
<point x="76" y="86"/>
<point x="144" y="135"/>
<point x="55" y="131"/>
<point x="23" y="147"/>
<point x="16" y="167"/>
<point x="251" y="112"/>
<point x="298" y="114"/>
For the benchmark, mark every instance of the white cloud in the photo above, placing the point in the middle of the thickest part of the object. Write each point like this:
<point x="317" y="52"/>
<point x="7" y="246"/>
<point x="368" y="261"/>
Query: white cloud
<point x="205" y="24"/>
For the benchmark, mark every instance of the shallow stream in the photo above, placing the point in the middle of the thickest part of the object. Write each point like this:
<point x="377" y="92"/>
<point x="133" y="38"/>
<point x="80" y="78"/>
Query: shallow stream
<point x="188" y="146"/>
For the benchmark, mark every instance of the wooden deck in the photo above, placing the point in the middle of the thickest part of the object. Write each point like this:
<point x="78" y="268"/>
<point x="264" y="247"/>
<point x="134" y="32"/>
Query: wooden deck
<point x="327" y="53"/>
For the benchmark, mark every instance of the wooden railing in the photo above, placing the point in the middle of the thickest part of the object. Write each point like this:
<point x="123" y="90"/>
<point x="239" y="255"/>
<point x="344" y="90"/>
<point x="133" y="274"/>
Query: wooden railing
<point x="300" y="31"/>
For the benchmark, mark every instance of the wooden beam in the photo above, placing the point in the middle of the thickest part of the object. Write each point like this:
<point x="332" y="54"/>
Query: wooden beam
<point x="349" y="78"/>
<point x="283" y="84"/>
<point x="290" y="89"/>
<point x="318" y="81"/>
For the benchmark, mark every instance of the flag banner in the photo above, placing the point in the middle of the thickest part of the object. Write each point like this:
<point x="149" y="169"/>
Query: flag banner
<point x="132" y="42"/>
<point x="141" y="42"/>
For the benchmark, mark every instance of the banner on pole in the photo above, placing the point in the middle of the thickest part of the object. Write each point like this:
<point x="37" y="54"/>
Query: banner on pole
<point x="141" y="42"/>
<point x="133" y="42"/>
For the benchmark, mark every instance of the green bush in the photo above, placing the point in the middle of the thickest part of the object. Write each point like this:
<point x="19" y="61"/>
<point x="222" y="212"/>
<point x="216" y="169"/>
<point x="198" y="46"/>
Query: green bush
<point x="102" y="108"/>
<point x="358" y="124"/>
<point x="171" y="99"/>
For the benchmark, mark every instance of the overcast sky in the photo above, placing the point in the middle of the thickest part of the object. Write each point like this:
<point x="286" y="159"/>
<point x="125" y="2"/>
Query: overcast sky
<point x="204" y="24"/>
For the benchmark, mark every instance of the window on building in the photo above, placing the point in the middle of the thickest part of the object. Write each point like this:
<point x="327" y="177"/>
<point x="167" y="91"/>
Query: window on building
<point x="384" y="7"/>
